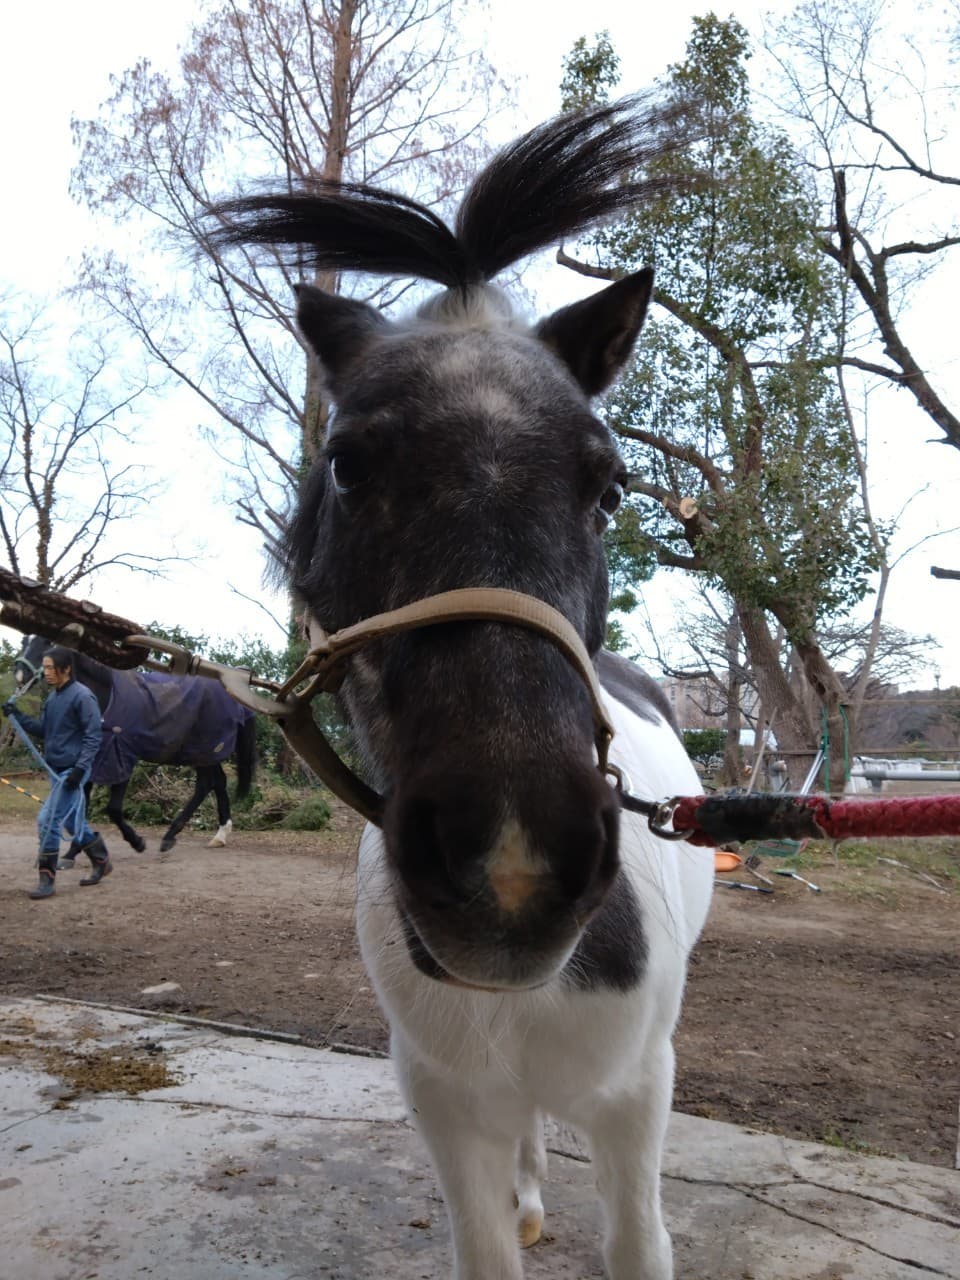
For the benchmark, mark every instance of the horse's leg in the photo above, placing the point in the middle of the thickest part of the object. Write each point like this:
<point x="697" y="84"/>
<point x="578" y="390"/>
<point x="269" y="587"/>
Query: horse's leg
<point x="223" y="807"/>
<point x="115" y="814"/>
<point x="626" y="1136"/>
<point x="201" y="789"/>
<point x="474" y="1156"/>
<point x="531" y="1172"/>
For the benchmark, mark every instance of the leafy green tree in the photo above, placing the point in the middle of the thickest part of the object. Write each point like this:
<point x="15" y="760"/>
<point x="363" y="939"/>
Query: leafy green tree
<point x="704" y="745"/>
<point x="8" y="656"/>
<point x="590" y="74"/>
<point x="743" y="468"/>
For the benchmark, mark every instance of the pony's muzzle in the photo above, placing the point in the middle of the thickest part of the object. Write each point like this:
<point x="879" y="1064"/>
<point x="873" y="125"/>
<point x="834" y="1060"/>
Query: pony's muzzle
<point x="498" y="892"/>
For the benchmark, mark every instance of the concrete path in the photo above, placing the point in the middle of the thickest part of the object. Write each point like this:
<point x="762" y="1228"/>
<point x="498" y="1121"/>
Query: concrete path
<point x="262" y="1159"/>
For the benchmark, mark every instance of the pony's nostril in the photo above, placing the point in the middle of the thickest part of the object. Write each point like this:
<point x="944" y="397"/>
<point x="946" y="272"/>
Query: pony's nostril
<point x="588" y="872"/>
<point x="604" y="867"/>
<point x="425" y="851"/>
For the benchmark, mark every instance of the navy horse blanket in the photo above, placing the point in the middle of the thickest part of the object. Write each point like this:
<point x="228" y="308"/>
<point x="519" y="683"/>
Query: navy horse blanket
<point x="166" y="720"/>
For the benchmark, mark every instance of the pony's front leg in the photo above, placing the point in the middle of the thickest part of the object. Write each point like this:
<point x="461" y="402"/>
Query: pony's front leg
<point x="626" y="1136"/>
<point x="474" y="1158"/>
<point x="530" y="1176"/>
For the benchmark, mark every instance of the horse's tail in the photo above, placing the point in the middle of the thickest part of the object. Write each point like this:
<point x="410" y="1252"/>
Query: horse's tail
<point x="556" y="181"/>
<point x="246" y="753"/>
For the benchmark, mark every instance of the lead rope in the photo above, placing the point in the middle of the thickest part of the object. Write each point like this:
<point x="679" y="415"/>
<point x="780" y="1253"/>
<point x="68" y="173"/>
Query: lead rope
<point x="78" y="809"/>
<point x="711" y="820"/>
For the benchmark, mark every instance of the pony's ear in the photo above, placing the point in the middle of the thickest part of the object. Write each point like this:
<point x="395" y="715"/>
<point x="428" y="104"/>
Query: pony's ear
<point x="338" y="330"/>
<point x="594" y="338"/>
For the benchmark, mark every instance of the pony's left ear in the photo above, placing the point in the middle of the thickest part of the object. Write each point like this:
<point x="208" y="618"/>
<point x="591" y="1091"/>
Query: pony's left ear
<point x="594" y="338"/>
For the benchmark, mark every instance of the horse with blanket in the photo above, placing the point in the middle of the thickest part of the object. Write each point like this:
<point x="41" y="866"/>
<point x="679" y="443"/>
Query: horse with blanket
<point x="179" y="720"/>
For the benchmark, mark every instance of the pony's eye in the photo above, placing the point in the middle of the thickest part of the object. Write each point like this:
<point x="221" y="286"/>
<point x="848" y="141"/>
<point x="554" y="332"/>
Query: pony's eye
<point x="348" y="469"/>
<point x="611" y="498"/>
<point x="609" y="501"/>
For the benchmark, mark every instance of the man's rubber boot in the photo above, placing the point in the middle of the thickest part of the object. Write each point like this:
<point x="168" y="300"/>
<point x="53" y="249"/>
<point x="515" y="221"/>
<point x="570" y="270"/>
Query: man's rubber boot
<point x="96" y="851"/>
<point x="46" y="887"/>
<point x="68" y="859"/>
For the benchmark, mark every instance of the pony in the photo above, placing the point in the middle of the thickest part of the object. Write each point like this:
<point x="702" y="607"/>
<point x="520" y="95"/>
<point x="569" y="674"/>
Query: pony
<point x="166" y="720"/>
<point x="526" y="935"/>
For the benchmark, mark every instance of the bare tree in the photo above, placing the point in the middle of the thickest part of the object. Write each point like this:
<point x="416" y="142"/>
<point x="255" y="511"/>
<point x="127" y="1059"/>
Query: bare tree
<point x="713" y="661"/>
<point x="874" y="108"/>
<point x="60" y="494"/>
<point x="706" y="648"/>
<point x="288" y="91"/>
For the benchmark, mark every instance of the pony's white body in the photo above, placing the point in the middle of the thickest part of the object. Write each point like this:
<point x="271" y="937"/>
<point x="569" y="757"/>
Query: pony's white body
<point x="477" y="1068"/>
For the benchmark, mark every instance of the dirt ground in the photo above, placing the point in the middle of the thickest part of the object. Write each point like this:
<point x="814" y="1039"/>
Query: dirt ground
<point x="830" y="1016"/>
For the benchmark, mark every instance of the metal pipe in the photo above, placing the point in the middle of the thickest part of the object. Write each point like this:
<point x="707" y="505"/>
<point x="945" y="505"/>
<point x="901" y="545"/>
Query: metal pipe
<point x="907" y="775"/>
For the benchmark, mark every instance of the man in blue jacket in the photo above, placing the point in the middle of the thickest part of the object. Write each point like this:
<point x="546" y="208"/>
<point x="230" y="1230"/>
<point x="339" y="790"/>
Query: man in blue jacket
<point x="70" y="728"/>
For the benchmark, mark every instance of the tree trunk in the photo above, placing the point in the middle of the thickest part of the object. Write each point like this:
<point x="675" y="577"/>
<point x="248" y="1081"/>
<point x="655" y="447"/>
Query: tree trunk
<point x="732" y="763"/>
<point x="797" y="737"/>
<point x="316" y="406"/>
<point x="826" y="685"/>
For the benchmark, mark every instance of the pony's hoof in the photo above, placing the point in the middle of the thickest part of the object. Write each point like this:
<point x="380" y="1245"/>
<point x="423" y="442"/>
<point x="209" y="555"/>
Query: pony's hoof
<point x="529" y="1228"/>
<point x="166" y="845"/>
<point x="139" y="845"/>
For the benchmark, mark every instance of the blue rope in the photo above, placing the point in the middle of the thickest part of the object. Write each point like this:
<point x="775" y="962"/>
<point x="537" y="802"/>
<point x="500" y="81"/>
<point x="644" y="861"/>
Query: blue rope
<point x="28" y="743"/>
<point x="78" y="810"/>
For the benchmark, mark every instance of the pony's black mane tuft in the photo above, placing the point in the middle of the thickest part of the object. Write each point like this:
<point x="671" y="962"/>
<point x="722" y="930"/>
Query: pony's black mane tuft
<point x="558" y="180"/>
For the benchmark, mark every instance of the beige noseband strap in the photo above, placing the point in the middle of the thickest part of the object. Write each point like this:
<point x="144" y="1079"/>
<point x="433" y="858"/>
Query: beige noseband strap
<point x="329" y="655"/>
<point x="472" y="604"/>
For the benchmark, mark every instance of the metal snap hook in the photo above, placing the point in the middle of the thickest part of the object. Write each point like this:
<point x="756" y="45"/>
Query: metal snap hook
<point x="662" y="814"/>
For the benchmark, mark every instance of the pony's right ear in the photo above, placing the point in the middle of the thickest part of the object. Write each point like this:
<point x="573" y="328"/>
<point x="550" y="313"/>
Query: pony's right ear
<point x="338" y="330"/>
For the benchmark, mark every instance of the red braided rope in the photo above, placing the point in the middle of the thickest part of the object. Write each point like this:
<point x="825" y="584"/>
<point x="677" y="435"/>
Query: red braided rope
<point x="836" y="819"/>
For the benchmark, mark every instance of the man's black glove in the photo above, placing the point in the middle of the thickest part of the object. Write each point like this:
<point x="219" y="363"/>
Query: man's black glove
<point x="7" y="707"/>
<point x="72" y="780"/>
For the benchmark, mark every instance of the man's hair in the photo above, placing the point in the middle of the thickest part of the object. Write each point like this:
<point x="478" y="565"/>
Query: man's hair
<point x="60" y="656"/>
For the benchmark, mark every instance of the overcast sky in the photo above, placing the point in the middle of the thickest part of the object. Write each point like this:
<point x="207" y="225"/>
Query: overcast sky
<point x="55" y="62"/>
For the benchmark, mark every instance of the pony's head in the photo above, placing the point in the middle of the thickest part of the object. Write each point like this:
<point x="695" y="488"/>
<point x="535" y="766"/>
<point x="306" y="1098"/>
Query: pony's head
<point x="463" y="451"/>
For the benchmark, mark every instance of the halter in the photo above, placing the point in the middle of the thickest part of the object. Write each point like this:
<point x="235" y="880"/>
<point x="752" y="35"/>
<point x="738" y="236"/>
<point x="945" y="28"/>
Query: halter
<point x="29" y="606"/>
<point x="35" y="672"/>
<point x="325" y="668"/>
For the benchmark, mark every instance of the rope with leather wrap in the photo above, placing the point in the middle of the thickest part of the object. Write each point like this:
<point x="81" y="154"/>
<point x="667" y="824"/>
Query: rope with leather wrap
<point x="701" y="820"/>
<point x="710" y="820"/>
